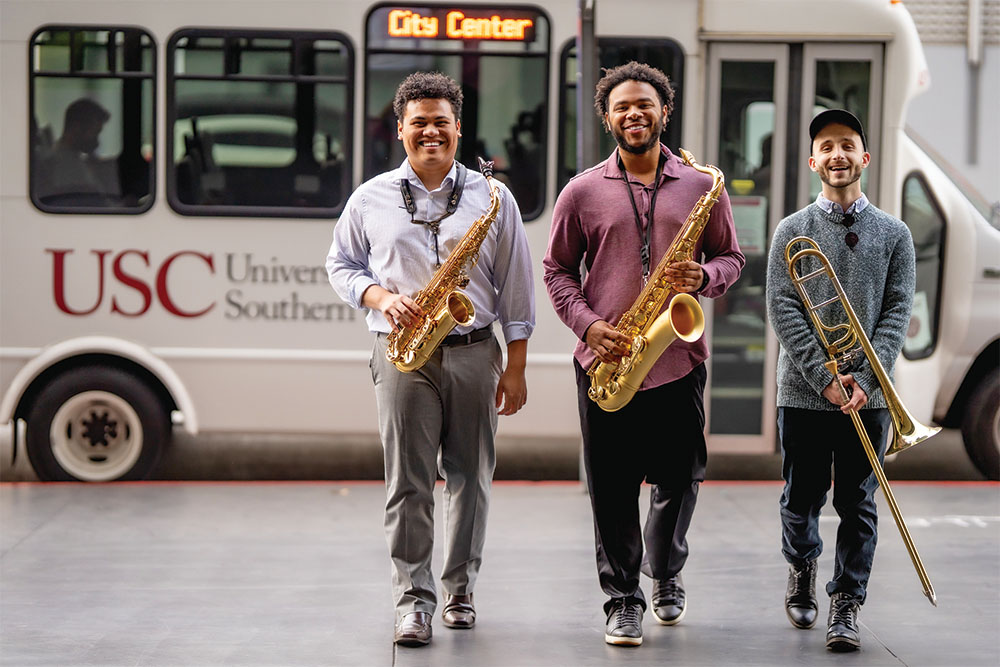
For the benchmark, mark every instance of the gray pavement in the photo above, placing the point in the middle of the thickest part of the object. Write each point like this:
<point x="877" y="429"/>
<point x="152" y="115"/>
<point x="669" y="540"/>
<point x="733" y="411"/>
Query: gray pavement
<point x="296" y="573"/>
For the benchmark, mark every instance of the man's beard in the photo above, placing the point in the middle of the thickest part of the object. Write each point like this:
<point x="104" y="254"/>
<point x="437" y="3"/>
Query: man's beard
<point x="654" y="139"/>
<point x="855" y="176"/>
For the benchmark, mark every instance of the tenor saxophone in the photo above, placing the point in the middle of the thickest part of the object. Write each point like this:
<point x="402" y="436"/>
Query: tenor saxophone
<point x="612" y="385"/>
<point x="444" y="306"/>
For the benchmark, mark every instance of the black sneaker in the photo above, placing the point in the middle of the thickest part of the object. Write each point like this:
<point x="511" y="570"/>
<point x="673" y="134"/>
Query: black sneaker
<point x="842" y="634"/>
<point x="669" y="602"/>
<point x="624" y="626"/>
<point x="800" y="597"/>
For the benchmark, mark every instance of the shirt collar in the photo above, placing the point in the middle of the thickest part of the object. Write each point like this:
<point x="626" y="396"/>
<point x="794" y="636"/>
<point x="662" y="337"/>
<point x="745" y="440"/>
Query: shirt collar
<point x="833" y="207"/>
<point x="405" y="171"/>
<point x="671" y="167"/>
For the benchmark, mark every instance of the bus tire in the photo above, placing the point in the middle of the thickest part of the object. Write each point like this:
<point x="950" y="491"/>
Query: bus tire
<point x="981" y="426"/>
<point x="96" y="424"/>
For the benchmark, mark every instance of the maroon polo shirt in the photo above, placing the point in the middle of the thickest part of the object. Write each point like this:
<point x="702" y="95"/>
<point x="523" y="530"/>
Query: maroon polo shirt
<point x="593" y="223"/>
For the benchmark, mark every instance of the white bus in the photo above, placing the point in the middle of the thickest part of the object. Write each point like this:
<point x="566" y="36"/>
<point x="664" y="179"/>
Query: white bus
<point x="172" y="277"/>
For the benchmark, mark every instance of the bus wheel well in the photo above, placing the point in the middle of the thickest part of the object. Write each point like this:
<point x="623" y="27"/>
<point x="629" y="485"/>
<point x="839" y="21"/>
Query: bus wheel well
<point x="93" y="359"/>
<point x="987" y="362"/>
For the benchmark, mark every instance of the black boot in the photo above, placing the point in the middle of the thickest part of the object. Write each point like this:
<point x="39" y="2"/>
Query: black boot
<point x="842" y="634"/>
<point x="800" y="597"/>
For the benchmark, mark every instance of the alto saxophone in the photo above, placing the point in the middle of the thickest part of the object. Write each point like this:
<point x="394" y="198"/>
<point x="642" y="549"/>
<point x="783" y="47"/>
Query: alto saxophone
<point x="612" y="385"/>
<point x="443" y="305"/>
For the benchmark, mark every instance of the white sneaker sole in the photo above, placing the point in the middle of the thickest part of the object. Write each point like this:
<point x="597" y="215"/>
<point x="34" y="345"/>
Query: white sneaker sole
<point x="674" y="621"/>
<point x="622" y="641"/>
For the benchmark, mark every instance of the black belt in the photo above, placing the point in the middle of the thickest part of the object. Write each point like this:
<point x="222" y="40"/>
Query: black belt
<point x="466" y="339"/>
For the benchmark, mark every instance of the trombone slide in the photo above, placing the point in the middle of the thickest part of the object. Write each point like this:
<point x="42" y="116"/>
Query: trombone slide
<point x="886" y="490"/>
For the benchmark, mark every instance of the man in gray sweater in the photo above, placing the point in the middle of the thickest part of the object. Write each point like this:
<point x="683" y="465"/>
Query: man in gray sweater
<point x="872" y="254"/>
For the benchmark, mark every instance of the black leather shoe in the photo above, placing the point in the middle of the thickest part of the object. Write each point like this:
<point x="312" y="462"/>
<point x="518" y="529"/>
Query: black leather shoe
<point x="842" y="634"/>
<point x="624" y="626"/>
<point x="459" y="611"/>
<point x="669" y="601"/>
<point x="414" y="629"/>
<point x="800" y="597"/>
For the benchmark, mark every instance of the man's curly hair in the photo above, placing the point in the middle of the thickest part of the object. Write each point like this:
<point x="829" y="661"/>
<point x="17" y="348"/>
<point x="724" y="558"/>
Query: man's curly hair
<point x="427" y="86"/>
<point x="633" y="71"/>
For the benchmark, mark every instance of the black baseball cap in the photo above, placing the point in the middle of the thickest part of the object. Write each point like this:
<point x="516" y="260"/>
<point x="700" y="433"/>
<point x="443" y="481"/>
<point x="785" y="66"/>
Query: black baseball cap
<point x="841" y="116"/>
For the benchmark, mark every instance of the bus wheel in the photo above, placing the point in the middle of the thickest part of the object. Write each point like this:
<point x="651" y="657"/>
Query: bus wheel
<point x="96" y="424"/>
<point x="981" y="426"/>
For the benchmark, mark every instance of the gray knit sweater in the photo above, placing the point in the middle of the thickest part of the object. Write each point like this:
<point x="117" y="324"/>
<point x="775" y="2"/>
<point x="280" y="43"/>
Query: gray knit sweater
<point x="878" y="275"/>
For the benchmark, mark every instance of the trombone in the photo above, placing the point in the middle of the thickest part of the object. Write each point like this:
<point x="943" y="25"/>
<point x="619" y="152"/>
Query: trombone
<point x="907" y="431"/>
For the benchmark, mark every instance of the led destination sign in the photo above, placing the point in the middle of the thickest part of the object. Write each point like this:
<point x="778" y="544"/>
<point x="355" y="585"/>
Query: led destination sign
<point x="460" y="24"/>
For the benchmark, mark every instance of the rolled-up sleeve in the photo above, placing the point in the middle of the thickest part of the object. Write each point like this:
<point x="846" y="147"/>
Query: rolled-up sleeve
<point x="347" y="262"/>
<point x="512" y="274"/>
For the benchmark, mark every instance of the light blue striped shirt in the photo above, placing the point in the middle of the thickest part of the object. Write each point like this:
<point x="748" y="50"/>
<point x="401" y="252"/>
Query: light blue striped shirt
<point x="374" y="243"/>
<point x="833" y="207"/>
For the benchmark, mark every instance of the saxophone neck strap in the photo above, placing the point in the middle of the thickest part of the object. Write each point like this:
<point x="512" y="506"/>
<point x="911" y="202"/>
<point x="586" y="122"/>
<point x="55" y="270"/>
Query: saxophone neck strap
<point x="453" y="199"/>
<point x="645" y="235"/>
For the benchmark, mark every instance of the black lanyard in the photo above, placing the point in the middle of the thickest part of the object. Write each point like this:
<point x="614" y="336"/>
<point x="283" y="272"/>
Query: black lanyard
<point x="644" y="235"/>
<point x="453" y="199"/>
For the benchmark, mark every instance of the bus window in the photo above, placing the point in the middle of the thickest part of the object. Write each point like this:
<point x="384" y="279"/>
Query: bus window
<point x="91" y="124"/>
<point x="258" y="122"/>
<point x="500" y="59"/>
<point x="660" y="53"/>
<point x="850" y="83"/>
<point x="923" y="216"/>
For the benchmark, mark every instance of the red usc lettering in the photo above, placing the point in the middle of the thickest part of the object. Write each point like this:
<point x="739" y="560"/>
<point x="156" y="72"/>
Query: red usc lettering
<point x="128" y="279"/>
<point x="133" y="282"/>
<point x="59" y="280"/>
<point x="161" y="284"/>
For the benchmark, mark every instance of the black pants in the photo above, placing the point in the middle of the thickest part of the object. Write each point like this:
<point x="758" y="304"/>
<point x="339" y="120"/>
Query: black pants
<point x="658" y="437"/>
<point x="811" y="442"/>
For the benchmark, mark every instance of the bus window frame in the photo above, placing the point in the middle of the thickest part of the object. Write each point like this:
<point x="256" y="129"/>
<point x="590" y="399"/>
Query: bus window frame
<point x="546" y="56"/>
<point x="248" y="211"/>
<point x="921" y="178"/>
<point x="676" y="77"/>
<point x="121" y="76"/>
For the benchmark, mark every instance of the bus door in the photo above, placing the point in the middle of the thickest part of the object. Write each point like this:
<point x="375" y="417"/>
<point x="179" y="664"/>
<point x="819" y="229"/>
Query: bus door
<point x="760" y="99"/>
<point x="746" y="126"/>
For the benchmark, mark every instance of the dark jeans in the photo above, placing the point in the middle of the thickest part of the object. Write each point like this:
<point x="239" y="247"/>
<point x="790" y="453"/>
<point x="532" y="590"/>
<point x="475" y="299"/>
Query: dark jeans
<point x="658" y="437"/>
<point x="811" y="442"/>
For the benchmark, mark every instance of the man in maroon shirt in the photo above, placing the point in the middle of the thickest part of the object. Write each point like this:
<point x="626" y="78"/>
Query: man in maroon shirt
<point x="659" y="435"/>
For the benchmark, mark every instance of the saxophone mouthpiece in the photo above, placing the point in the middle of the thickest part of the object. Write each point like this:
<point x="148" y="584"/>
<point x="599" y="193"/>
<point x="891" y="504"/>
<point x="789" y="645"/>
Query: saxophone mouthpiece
<point x="486" y="167"/>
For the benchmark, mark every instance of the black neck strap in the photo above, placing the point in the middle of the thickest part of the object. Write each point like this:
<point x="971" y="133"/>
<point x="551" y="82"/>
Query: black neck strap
<point x="453" y="199"/>
<point x="647" y="234"/>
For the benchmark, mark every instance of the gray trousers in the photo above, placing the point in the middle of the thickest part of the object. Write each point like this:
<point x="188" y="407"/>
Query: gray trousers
<point x="440" y="418"/>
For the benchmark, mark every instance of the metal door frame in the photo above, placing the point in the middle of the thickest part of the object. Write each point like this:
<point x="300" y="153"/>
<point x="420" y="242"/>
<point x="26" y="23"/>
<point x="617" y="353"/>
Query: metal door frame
<point x="778" y="53"/>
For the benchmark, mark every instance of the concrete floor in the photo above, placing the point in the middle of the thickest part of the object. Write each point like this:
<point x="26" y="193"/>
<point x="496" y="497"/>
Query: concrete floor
<point x="296" y="573"/>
